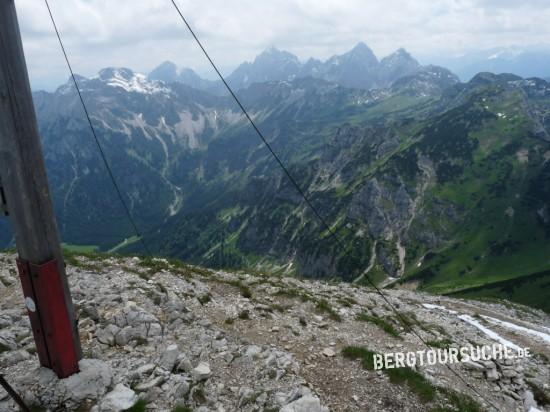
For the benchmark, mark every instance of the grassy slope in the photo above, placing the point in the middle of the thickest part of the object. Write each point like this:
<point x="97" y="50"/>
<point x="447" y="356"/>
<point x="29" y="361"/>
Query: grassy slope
<point x="531" y="290"/>
<point x="493" y="245"/>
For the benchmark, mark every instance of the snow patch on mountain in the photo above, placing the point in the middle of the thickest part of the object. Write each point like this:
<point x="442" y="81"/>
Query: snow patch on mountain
<point x="130" y="81"/>
<point x="493" y="335"/>
<point x="513" y="326"/>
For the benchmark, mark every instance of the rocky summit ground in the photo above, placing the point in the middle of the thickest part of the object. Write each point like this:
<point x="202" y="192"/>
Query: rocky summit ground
<point x="165" y="336"/>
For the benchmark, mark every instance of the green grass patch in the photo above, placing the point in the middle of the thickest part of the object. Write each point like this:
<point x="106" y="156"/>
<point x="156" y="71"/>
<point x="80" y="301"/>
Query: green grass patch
<point x="124" y="243"/>
<point x="243" y="289"/>
<point x="531" y="290"/>
<point x="293" y="293"/>
<point x="540" y="396"/>
<point x="182" y="408"/>
<point x="380" y="322"/>
<point x="139" y="406"/>
<point x="441" y="344"/>
<point x="324" y="306"/>
<point x="204" y="299"/>
<point x="72" y="259"/>
<point x="414" y="380"/>
<point x="347" y="301"/>
<point x="80" y="248"/>
<point x="358" y="353"/>
<point x="244" y="315"/>
<point x="176" y="266"/>
<point x="458" y="402"/>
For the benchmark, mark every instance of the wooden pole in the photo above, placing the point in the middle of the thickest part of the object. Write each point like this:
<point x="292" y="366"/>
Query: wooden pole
<point x="29" y="205"/>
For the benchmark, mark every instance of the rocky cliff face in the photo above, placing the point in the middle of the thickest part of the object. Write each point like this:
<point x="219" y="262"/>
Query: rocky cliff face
<point x="167" y="334"/>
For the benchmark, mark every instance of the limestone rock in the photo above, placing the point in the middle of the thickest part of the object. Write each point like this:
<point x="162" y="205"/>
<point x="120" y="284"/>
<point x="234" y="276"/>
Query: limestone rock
<point x="201" y="372"/>
<point x="120" y="398"/>
<point x="473" y="366"/>
<point x="169" y="357"/>
<point x="306" y="403"/>
<point x="329" y="353"/>
<point x="492" y="375"/>
<point x="145" y="386"/>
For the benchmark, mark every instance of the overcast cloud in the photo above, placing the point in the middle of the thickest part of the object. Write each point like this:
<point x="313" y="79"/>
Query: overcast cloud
<point x="140" y="34"/>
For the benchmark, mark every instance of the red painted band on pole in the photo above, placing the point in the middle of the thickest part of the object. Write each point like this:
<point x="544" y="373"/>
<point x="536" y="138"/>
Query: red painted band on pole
<point x="49" y="316"/>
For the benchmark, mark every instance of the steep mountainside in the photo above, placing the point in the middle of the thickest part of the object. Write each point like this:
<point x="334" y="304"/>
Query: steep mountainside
<point x="444" y="185"/>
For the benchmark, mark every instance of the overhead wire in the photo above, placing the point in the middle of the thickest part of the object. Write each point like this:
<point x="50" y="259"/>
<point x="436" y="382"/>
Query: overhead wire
<point x="307" y="200"/>
<point x="96" y="139"/>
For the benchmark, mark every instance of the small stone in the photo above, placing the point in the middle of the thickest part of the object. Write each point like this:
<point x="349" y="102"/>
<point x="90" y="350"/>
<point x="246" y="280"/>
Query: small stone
<point x="184" y="364"/>
<point x="509" y="373"/>
<point x="245" y="396"/>
<point x="120" y="398"/>
<point x="90" y="311"/>
<point x="328" y="352"/>
<point x="511" y="394"/>
<point x="182" y="389"/>
<point x="492" y="375"/>
<point x="124" y="336"/>
<point x="145" y="386"/>
<point x="468" y="364"/>
<point x="169" y="357"/>
<point x="91" y="382"/>
<point x="201" y="372"/>
<point x="306" y="403"/>
<point x="146" y="369"/>
<point x="488" y="364"/>
<point x="253" y="351"/>
<point x="107" y="335"/>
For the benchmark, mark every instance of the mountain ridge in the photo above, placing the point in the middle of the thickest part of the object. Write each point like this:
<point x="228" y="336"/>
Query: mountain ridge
<point x="356" y="68"/>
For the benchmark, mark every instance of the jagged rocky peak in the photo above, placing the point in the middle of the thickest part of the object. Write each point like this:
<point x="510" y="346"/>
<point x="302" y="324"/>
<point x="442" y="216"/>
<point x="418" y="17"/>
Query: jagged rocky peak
<point x="189" y="76"/>
<point x="271" y="65"/>
<point x="166" y="71"/>
<point x="69" y="84"/>
<point x="272" y="60"/>
<point x="272" y="53"/>
<point x="397" y="65"/>
<point x="399" y="57"/>
<point x="361" y="53"/>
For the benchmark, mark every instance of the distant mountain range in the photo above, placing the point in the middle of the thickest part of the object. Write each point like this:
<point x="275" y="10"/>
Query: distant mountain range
<point x="533" y="61"/>
<point x="359" y="69"/>
<point x="442" y="184"/>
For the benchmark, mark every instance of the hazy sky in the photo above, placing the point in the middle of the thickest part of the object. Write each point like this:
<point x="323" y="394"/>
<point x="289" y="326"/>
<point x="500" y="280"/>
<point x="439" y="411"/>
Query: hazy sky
<point x="140" y="34"/>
